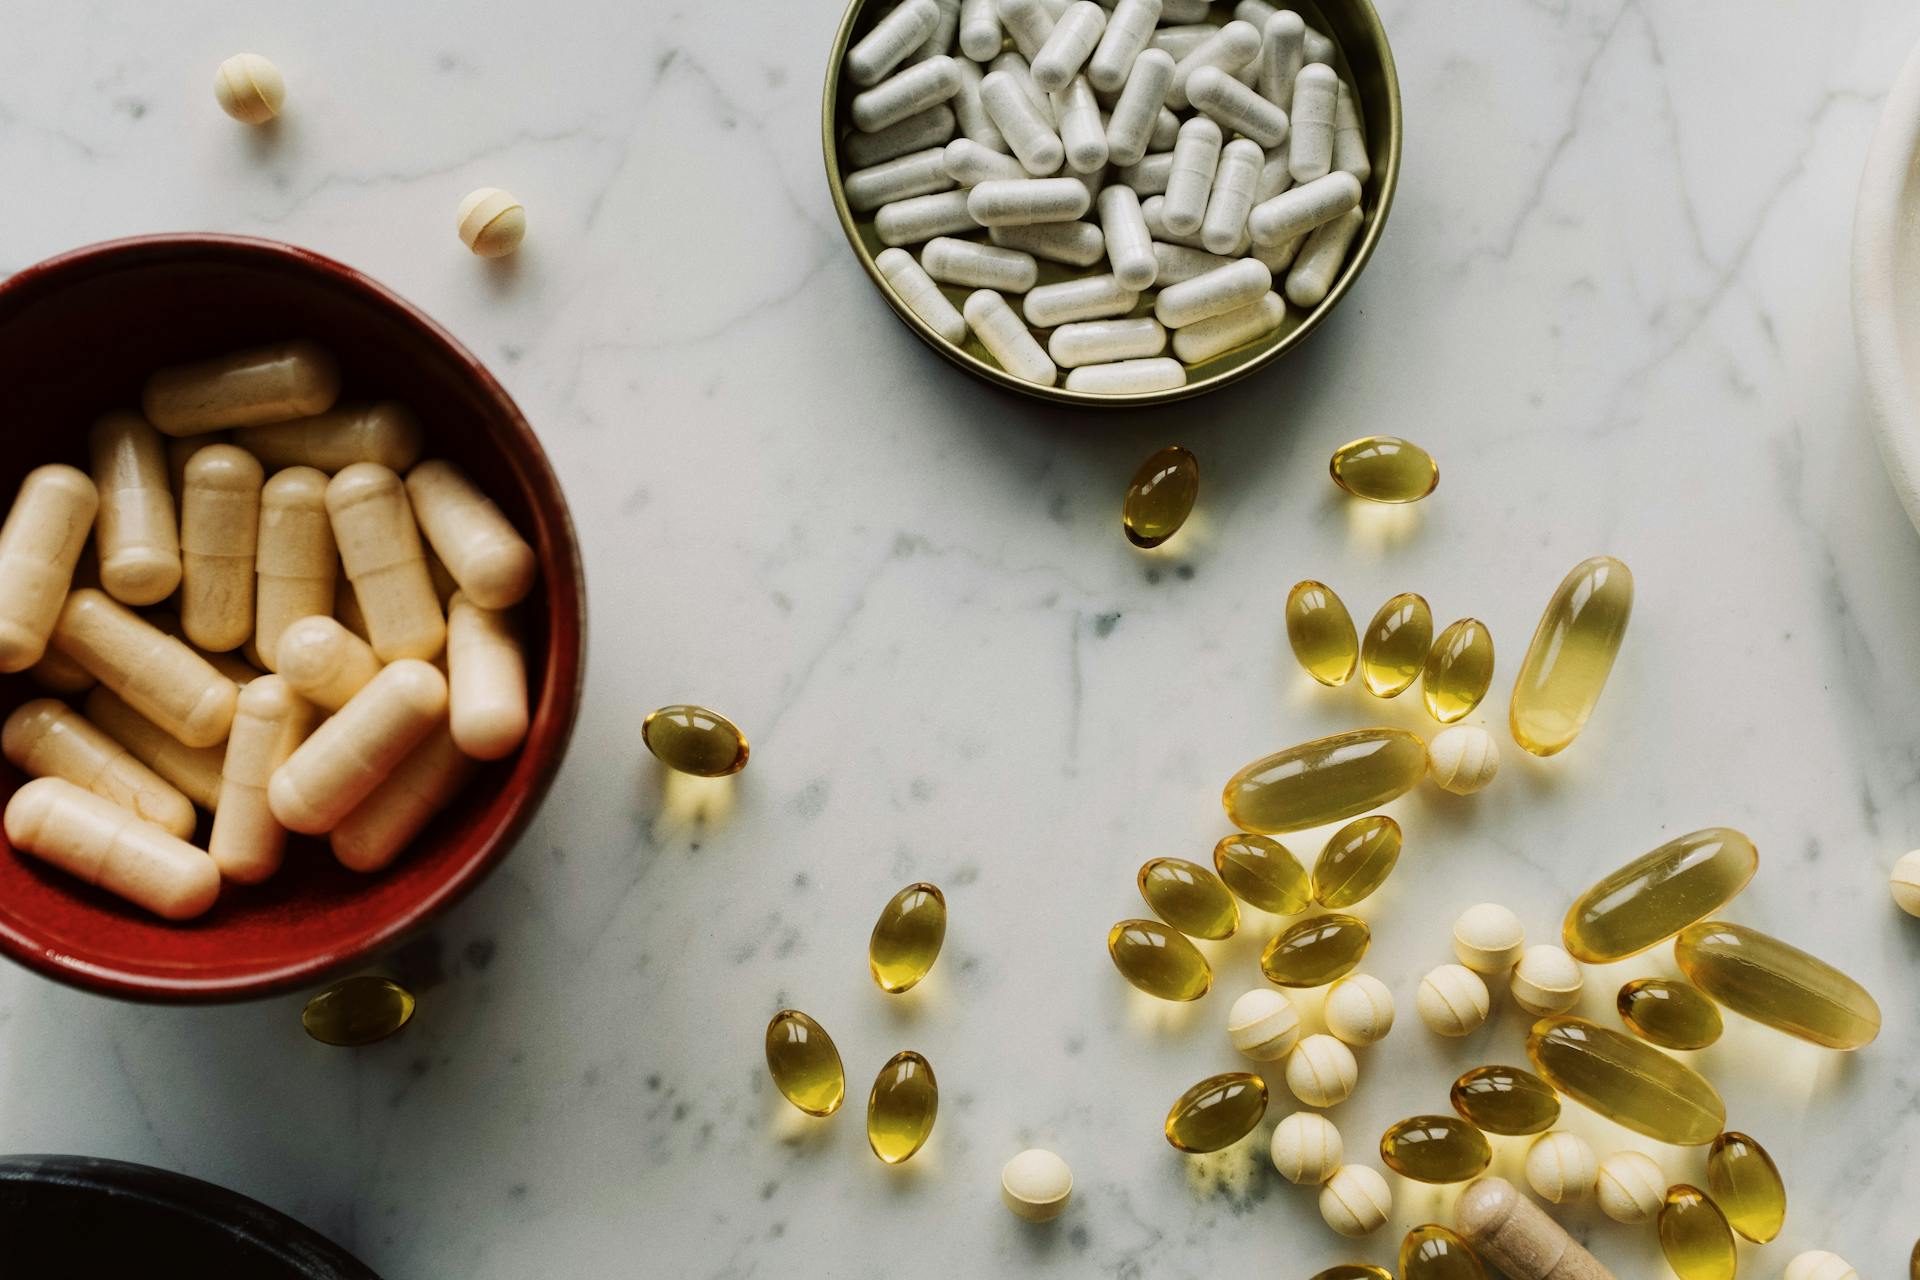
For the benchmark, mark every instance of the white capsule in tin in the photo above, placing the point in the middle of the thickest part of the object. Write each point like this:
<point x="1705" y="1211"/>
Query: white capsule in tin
<point x="1185" y="11"/>
<point x="1166" y="130"/>
<point x="1275" y="177"/>
<point x="923" y="217"/>
<point x="979" y="266"/>
<point x="1089" y="298"/>
<point x="971" y="113"/>
<point x="1236" y="108"/>
<point x="1195" y="158"/>
<point x="1153" y="210"/>
<point x="1316" y="91"/>
<point x="908" y="92"/>
<point x="1016" y="66"/>
<point x="1025" y="201"/>
<point x="1177" y="262"/>
<point x="1128" y="377"/>
<point x="1225" y="224"/>
<point x="1349" y="140"/>
<point x="922" y="296"/>
<point x="1278" y="257"/>
<point x="1212" y="294"/>
<point x="1149" y="177"/>
<point x="980" y="31"/>
<point x="918" y="174"/>
<point x="915" y="133"/>
<point x="1124" y="228"/>
<point x="1295" y="212"/>
<point x="1078" y="244"/>
<point x="1082" y="132"/>
<point x="1069" y="45"/>
<point x="1130" y="129"/>
<point x="1230" y="48"/>
<point x="1321" y="258"/>
<point x="1184" y="39"/>
<point x="1236" y="328"/>
<point x="1282" y="53"/>
<point x="969" y="164"/>
<point x="1105" y="341"/>
<point x="944" y="30"/>
<point x="1128" y="32"/>
<point x="895" y="36"/>
<point x="1318" y="46"/>
<point x="1007" y="339"/>
<point x="1029" y="134"/>
<point x="1029" y="23"/>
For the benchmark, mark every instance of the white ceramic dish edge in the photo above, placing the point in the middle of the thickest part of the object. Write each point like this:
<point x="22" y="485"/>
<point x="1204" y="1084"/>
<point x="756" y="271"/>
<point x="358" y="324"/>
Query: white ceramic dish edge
<point x="1886" y="283"/>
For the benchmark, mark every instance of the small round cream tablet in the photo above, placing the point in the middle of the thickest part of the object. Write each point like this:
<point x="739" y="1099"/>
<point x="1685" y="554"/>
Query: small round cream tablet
<point x="1322" y="1072"/>
<point x="1906" y="883"/>
<point x="1561" y="1167"/>
<point x="249" y="88"/>
<point x="1306" y="1148"/>
<point x="1547" y="980"/>
<point x="1360" y="1009"/>
<point x="1632" y="1186"/>
<point x="492" y="223"/>
<point x="1452" y="1000"/>
<point x="1263" y="1025"/>
<point x="1036" y="1185"/>
<point x="1462" y="759"/>
<point x="1488" y="938"/>
<point x="1818" y="1264"/>
<point x="1356" y="1200"/>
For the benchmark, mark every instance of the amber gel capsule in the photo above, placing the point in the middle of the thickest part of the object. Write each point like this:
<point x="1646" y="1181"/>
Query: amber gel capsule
<point x="1263" y="873"/>
<point x="902" y="1107"/>
<point x="1432" y="1252"/>
<point x="1630" y="1083"/>
<point x="1384" y="469"/>
<point x="1657" y="895"/>
<point x="1158" y="960"/>
<point x="1506" y="1100"/>
<point x="1325" y="780"/>
<point x="1321" y="632"/>
<point x="1437" y="1149"/>
<point x="1396" y="645"/>
<point x="1357" y="860"/>
<point x="1780" y="985"/>
<point x="1189" y="897"/>
<point x="1694" y="1236"/>
<point x="357" y="1012"/>
<point x="1217" y="1112"/>
<point x="907" y="937"/>
<point x="1746" y="1185"/>
<point x="695" y="740"/>
<point x="804" y="1063"/>
<point x="1458" y="670"/>
<point x="1670" y="1014"/>
<point x="1315" y="952"/>
<point x="1161" y="496"/>
<point x="1571" y="655"/>
<point x="1354" y="1271"/>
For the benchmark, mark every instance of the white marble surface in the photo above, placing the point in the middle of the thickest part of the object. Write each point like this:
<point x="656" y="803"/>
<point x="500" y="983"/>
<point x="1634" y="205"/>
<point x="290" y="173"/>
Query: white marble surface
<point x="1611" y="298"/>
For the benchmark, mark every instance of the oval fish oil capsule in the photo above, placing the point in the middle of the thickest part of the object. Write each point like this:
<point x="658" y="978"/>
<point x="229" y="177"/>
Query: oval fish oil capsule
<point x="486" y="680"/>
<point x="1658" y="894"/>
<point x="1458" y="670"/>
<point x="219" y="531"/>
<point x="40" y="543"/>
<point x="1436" y="1149"/>
<point x="1189" y="897"/>
<point x="1506" y="1101"/>
<point x="1263" y="873"/>
<point x="902" y="1107"/>
<point x="45" y="738"/>
<point x="1321" y="632"/>
<point x="490" y="560"/>
<point x="1354" y="1271"/>
<point x="1746" y="1185"/>
<point x="245" y="389"/>
<point x="355" y="749"/>
<point x="907" y="937"/>
<point x="385" y="432"/>
<point x="373" y="524"/>
<point x="358" y="1011"/>
<point x="690" y="739"/>
<point x="1315" y="952"/>
<point x="1325" y="780"/>
<point x="382" y="826"/>
<point x="1161" y="496"/>
<point x="1384" y="469"/>
<point x="158" y="676"/>
<point x="1571" y="655"/>
<point x="138" y="530"/>
<point x="271" y="720"/>
<point x="1628" y="1082"/>
<point x="1432" y="1252"/>
<point x="1158" y="960"/>
<point x="1217" y="1112"/>
<point x="1776" y="984"/>
<point x="1396" y="645"/>
<point x="97" y="841"/>
<point x="296" y="564"/>
<point x="1357" y="860"/>
<point x="194" y="771"/>
<point x="804" y="1063"/>
<point x="1694" y="1236"/>
<point x="1670" y="1014"/>
<point x="324" y="662"/>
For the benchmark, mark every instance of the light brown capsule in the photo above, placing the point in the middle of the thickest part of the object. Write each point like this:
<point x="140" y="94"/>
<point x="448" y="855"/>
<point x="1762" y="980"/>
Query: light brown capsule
<point x="486" y="679"/>
<point x="195" y="771"/>
<point x="102" y="844"/>
<point x="382" y="826"/>
<point x="380" y="546"/>
<point x="155" y="674"/>
<point x="40" y="544"/>
<point x="245" y="389"/>
<point x="325" y="663"/>
<point x="385" y="432"/>
<point x="271" y="720"/>
<point x="137" y="530"/>
<point x="485" y="554"/>
<point x="45" y="738"/>
<point x="219" y="533"/>
<point x="354" y="750"/>
<point x="296" y="561"/>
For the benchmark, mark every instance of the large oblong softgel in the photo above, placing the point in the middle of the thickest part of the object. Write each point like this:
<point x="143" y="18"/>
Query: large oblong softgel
<point x="1217" y="1112"/>
<point x="1777" y="984"/>
<point x="1325" y="780"/>
<point x="902" y="1107"/>
<point x="1630" y="1083"/>
<point x="804" y="1063"/>
<point x="1658" y="894"/>
<point x="1159" y="960"/>
<point x="907" y="937"/>
<point x="1571" y="655"/>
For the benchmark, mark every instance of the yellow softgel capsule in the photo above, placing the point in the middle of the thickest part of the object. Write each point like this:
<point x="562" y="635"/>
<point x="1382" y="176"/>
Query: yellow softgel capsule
<point x="1161" y="496"/>
<point x="1670" y="1014"/>
<point x="1325" y="780"/>
<point x="804" y="1063"/>
<point x="1436" y="1149"/>
<point x="358" y="1011"/>
<point x="1431" y="1252"/>
<point x="1571" y="655"/>
<point x="694" y="740"/>
<point x="1630" y="1083"/>
<point x="1158" y="960"/>
<point x="1263" y="873"/>
<point x="1694" y="1236"/>
<point x="1384" y="469"/>
<point x="1458" y="670"/>
<point x="1217" y="1112"/>
<point x="1780" y="985"/>
<point x="1357" y="860"/>
<point x="1658" y="894"/>
<point x="1746" y="1185"/>
<point x="902" y="1107"/>
<point x="1189" y="897"/>
<point x="1316" y="952"/>
<point x="1354" y="1271"/>
<point x="906" y="939"/>
<point x="1321" y="632"/>
<point x="1396" y="645"/>
<point x="1506" y="1100"/>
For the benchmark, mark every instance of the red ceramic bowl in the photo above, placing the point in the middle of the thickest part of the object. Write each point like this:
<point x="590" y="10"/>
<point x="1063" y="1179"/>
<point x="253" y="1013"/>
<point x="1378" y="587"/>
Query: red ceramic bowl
<point x="78" y="335"/>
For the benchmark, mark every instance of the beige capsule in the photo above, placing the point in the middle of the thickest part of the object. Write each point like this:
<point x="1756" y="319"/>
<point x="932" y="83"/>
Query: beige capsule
<point x="157" y="675"/>
<point x="45" y="738"/>
<point x="137" y="530"/>
<point x="351" y="753"/>
<point x="380" y="547"/>
<point x="249" y="88"/>
<point x="382" y="826"/>
<point x="219" y="530"/>
<point x="384" y="431"/>
<point x="247" y="843"/>
<point x="40" y="544"/>
<point x="104" y="845"/>
<point x="180" y="451"/>
<point x="487" y="680"/>
<point x="234" y="666"/>
<point x="492" y="222"/>
<point x="243" y="389"/>
<point x="296" y="561"/>
<point x="346" y="605"/>
<point x="492" y="563"/>
<point x="325" y="663"/>
<point x="193" y="771"/>
<point x="59" y="673"/>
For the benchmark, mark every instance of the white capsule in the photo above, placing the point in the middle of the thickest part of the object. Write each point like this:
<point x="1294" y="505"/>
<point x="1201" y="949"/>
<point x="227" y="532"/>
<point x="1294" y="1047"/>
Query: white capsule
<point x="971" y="112"/>
<point x="1359" y="1010"/>
<point x="1130" y="129"/>
<point x="1277" y="258"/>
<point x="1282" y="54"/>
<point x="1236" y="108"/>
<point x="1016" y="66"/>
<point x="1088" y="298"/>
<point x="1546" y="980"/>
<point x="1069" y="45"/>
<point x="1036" y="1185"/>
<point x="918" y="174"/>
<point x="1195" y="158"/>
<point x="920" y="86"/>
<point x="1213" y="294"/>
<point x="1078" y="244"/>
<point x="1149" y="177"/>
<point x="1166" y="131"/>
<point x="1230" y="48"/>
<point x="1632" y="1186"/>
<point x="1105" y="341"/>
<point x="1128" y="32"/>
<point x="1225" y="224"/>
<point x="1275" y="177"/>
<point x="1153" y="209"/>
<point x="1236" y="328"/>
<point x="941" y="41"/>
<point x="1561" y="1167"/>
<point x="1321" y="258"/>
<point x="1129" y="247"/>
<point x="915" y="133"/>
<point x="1818" y="1264"/>
<point x="1082" y="132"/>
<point x="1007" y="340"/>
<point x="1488" y="938"/>
<point x="1306" y="1148"/>
<point x="1349" y="139"/>
<point x="921" y="295"/>
<point x="1128" y="377"/>
<point x="1299" y="210"/>
<point x="923" y="218"/>
<point x="1452" y="1001"/>
<point x="1026" y="201"/>
<point x="1029" y="23"/>
<point x="1184" y="39"/>
<point x="969" y="164"/>
<point x="1029" y="133"/>
<point x="1316" y="92"/>
<point x="1320" y="46"/>
<point x="1176" y="263"/>
<point x="891" y="40"/>
<point x="979" y="266"/>
<point x="980" y="32"/>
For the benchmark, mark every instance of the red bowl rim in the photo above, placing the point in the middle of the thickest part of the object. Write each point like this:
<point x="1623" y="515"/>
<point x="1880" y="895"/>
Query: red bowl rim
<point x="568" y="664"/>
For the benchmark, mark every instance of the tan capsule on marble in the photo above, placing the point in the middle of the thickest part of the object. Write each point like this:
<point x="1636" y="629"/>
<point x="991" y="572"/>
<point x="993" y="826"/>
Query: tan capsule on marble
<point x="193" y="771"/>
<point x="137" y="529"/>
<point x="157" y="675"/>
<point x="384" y="431"/>
<point x="297" y="565"/>
<point x="102" y="844"/>
<point x="45" y="738"/>
<point x="382" y="826"/>
<point x="490" y="560"/>
<point x="219" y="532"/>
<point x="353" y="751"/>
<point x="380" y="546"/>
<point x="325" y="663"/>
<point x="487" y="680"/>
<point x="40" y="544"/>
<point x="243" y="389"/>
<point x="247" y="842"/>
<point x="249" y="88"/>
<point x="492" y="222"/>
